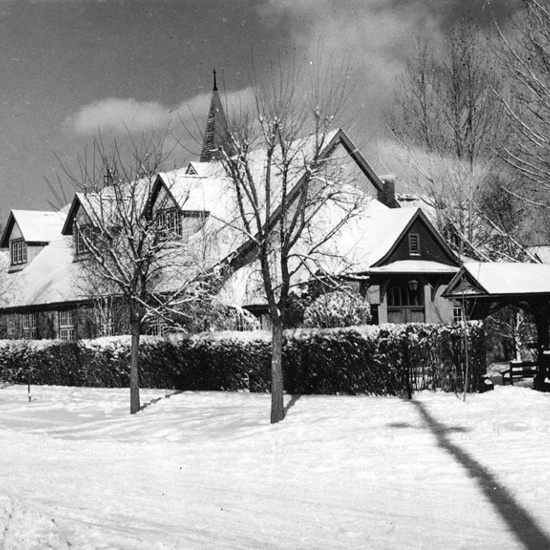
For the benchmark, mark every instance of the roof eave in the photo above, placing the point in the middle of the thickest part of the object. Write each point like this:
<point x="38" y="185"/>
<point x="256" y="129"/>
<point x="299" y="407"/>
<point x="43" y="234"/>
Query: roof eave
<point x="68" y="225"/>
<point x="4" y="240"/>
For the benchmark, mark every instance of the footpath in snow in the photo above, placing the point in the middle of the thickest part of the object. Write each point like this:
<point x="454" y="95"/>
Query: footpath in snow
<point x="206" y="470"/>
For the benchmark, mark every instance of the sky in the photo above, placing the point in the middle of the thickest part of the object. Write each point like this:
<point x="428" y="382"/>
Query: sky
<point x="71" y="69"/>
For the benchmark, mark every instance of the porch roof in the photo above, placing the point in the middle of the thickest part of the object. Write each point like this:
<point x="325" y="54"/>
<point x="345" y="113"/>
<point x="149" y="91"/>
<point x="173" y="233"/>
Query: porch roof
<point x="500" y="279"/>
<point x="414" y="267"/>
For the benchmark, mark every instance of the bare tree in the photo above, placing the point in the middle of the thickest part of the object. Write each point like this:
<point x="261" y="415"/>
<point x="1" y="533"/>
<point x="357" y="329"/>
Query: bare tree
<point x="526" y="62"/>
<point x="291" y="195"/>
<point x="128" y="250"/>
<point x="449" y="123"/>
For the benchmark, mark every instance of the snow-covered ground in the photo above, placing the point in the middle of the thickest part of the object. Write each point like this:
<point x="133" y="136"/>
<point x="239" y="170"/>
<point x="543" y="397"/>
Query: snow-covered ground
<point x="206" y="470"/>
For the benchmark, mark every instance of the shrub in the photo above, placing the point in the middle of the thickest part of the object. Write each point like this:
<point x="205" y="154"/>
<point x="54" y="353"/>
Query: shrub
<point x="337" y="309"/>
<point x="372" y="360"/>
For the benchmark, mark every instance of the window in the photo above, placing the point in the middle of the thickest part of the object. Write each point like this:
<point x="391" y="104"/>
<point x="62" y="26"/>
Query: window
<point x="83" y="236"/>
<point x="13" y="327"/>
<point x="458" y="315"/>
<point x="405" y="301"/>
<point x="408" y="294"/>
<point x="66" y="325"/>
<point x="414" y="244"/>
<point x="103" y="312"/>
<point x="170" y="223"/>
<point x="18" y="252"/>
<point x="29" y="326"/>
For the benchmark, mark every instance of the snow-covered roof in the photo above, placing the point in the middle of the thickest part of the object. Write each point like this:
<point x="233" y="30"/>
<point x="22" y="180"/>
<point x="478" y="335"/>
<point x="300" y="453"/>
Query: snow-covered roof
<point x="361" y="243"/>
<point x="49" y="279"/>
<point x="502" y="279"/>
<point x="414" y="266"/>
<point x="541" y="252"/>
<point x="199" y="193"/>
<point x="360" y="246"/>
<point x="35" y="226"/>
<point x="244" y="287"/>
<point x="210" y="169"/>
<point x="367" y="240"/>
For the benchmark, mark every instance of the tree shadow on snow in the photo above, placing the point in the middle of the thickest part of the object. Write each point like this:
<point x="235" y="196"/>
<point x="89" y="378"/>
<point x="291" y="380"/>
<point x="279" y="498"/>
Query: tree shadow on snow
<point x="524" y="527"/>
<point x="291" y="403"/>
<point x="157" y="399"/>
<point x="441" y="427"/>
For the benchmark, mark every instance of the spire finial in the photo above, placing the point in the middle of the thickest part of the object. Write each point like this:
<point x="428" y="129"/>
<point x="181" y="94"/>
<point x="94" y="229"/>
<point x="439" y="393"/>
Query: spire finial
<point x="215" y="84"/>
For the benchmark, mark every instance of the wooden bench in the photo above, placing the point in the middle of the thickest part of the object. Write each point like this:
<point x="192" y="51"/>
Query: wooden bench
<point x="519" y="370"/>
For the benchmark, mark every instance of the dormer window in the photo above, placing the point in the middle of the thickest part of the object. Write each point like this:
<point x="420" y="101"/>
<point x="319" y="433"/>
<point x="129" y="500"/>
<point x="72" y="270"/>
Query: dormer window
<point x="18" y="252"/>
<point x="414" y="244"/>
<point x="83" y="237"/>
<point x="170" y="223"/>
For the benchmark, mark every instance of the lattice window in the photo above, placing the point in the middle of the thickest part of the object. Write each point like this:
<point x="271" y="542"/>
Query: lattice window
<point x="18" y="252"/>
<point x="170" y="223"/>
<point x="458" y="316"/>
<point x="103" y="312"/>
<point x="83" y="237"/>
<point x="29" y="325"/>
<point x="66" y="325"/>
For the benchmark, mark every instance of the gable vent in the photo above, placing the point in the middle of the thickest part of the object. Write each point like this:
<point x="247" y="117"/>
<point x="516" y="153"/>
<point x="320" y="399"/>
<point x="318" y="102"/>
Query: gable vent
<point x="414" y="244"/>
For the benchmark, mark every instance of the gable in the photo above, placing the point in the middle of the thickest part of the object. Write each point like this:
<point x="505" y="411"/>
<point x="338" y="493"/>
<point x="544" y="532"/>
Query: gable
<point x="352" y="172"/>
<point x="428" y="244"/>
<point x="466" y="287"/>
<point x="463" y="284"/>
<point x="79" y="212"/>
<point x="33" y="226"/>
<point x="163" y="200"/>
<point x="71" y="216"/>
<point x="15" y="232"/>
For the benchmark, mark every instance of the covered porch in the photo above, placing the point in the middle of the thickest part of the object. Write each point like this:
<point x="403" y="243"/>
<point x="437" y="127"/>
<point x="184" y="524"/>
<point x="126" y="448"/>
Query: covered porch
<point x="482" y="288"/>
<point x="410" y="291"/>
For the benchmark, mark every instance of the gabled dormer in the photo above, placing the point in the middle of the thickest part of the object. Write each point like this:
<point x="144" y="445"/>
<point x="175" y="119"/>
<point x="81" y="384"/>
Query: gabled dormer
<point x="419" y="241"/>
<point x="79" y="224"/>
<point x="27" y="232"/>
<point x="178" y="204"/>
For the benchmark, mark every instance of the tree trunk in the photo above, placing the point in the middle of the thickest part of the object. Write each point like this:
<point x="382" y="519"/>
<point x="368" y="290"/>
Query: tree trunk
<point x="135" y="328"/>
<point x="277" y="403"/>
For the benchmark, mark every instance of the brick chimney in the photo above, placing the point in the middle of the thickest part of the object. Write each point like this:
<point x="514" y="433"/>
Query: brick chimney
<point x="387" y="194"/>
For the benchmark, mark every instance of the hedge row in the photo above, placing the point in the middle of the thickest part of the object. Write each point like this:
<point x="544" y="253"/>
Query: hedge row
<point x="383" y="360"/>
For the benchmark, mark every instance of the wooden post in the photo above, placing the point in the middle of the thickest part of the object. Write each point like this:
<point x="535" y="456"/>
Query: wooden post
<point x="466" y="356"/>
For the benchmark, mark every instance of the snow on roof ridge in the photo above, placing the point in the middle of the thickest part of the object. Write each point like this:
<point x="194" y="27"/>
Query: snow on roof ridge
<point x="39" y="225"/>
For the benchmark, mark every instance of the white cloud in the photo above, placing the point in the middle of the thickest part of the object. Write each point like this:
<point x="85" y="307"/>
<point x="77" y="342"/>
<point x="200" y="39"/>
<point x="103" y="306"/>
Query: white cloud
<point x="115" y="115"/>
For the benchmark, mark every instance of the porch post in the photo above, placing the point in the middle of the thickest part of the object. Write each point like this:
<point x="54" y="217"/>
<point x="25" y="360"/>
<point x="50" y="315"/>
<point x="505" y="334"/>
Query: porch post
<point x="542" y="322"/>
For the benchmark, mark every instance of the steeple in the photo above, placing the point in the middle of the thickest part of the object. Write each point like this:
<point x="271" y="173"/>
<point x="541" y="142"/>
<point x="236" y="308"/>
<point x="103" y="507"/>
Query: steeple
<point x="216" y="134"/>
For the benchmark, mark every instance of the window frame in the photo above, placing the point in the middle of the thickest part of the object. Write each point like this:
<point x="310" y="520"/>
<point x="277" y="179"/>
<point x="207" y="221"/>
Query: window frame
<point x="104" y="317"/>
<point x="66" y="325"/>
<point x="88" y="231"/>
<point x="399" y="295"/>
<point x="170" y="223"/>
<point x="18" y="252"/>
<point x="459" y="315"/>
<point x="29" y="326"/>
